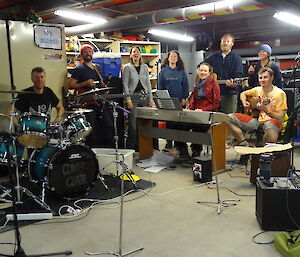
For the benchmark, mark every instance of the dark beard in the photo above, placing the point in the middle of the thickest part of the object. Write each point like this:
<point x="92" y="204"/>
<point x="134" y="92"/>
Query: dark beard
<point x="88" y="58"/>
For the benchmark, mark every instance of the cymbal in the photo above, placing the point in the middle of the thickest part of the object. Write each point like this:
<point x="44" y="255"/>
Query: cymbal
<point x="2" y="114"/>
<point x="79" y="111"/>
<point x="95" y="90"/>
<point x="16" y="92"/>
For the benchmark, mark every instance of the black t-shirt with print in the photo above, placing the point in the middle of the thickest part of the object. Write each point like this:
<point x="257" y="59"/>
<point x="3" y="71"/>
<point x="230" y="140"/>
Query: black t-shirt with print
<point x="37" y="103"/>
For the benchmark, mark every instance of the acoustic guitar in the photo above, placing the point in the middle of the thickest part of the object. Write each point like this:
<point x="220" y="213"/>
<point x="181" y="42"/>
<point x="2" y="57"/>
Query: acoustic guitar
<point x="252" y="110"/>
<point x="243" y="82"/>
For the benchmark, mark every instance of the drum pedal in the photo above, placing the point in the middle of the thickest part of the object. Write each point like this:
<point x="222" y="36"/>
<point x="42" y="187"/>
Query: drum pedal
<point x="31" y="216"/>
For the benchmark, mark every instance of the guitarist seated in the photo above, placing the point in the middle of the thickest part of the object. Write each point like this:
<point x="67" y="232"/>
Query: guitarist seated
<point x="87" y="76"/>
<point x="272" y="108"/>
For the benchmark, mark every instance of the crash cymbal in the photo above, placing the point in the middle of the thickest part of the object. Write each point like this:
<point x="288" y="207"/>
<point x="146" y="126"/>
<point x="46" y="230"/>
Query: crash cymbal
<point x="78" y="111"/>
<point x="95" y="90"/>
<point x="16" y="92"/>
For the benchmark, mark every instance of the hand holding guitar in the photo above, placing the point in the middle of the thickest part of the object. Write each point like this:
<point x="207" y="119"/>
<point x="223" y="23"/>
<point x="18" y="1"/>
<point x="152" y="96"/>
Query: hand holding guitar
<point x="263" y="105"/>
<point x="230" y="83"/>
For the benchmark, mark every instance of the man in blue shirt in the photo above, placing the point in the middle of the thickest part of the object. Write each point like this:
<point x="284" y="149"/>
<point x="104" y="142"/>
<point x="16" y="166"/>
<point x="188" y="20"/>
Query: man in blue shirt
<point x="227" y="66"/>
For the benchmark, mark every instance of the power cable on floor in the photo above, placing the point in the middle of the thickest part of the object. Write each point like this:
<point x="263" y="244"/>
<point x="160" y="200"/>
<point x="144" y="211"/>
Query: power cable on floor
<point x="261" y="243"/>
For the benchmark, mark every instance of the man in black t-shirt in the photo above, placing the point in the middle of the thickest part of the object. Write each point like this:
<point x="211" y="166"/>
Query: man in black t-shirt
<point x="87" y="76"/>
<point x="41" y="100"/>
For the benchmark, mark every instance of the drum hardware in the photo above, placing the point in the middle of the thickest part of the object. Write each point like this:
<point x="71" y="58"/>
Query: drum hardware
<point x="16" y="92"/>
<point x="18" y="250"/>
<point x="78" y="111"/>
<point x="9" y="140"/>
<point x="124" y="171"/>
<point x="93" y="91"/>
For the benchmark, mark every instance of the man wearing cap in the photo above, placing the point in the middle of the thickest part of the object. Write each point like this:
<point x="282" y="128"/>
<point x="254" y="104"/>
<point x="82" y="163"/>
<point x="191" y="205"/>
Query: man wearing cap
<point x="227" y="65"/>
<point x="87" y="76"/>
<point x="264" y="54"/>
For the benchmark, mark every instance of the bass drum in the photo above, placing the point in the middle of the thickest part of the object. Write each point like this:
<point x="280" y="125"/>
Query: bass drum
<point x="70" y="172"/>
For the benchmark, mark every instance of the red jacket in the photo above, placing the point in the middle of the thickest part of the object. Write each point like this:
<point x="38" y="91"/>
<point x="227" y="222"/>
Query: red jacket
<point x="211" y="101"/>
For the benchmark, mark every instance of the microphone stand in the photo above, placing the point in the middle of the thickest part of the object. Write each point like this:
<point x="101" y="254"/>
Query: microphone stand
<point x="122" y="176"/>
<point x="7" y="138"/>
<point x="19" y="252"/>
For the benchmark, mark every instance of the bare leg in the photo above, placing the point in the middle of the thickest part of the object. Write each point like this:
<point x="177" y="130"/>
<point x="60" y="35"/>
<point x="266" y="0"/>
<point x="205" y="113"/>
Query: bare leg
<point x="271" y="136"/>
<point x="236" y="132"/>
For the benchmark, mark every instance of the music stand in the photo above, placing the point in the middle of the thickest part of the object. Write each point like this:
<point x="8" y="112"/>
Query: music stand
<point x="171" y="103"/>
<point x="219" y="202"/>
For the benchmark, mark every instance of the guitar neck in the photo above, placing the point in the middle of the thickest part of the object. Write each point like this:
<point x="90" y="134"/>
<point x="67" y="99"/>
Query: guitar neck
<point x="235" y="80"/>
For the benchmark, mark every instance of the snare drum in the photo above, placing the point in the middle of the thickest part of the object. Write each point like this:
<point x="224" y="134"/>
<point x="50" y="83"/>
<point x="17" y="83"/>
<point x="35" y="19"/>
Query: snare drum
<point x="70" y="172"/>
<point x="32" y="130"/>
<point x="77" y="127"/>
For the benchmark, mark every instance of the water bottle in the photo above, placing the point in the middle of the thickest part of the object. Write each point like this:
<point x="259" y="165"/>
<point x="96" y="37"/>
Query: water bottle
<point x="265" y="162"/>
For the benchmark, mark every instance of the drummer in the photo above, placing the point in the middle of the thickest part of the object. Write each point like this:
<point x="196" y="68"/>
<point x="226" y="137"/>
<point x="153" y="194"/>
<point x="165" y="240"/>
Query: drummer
<point x="41" y="99"/>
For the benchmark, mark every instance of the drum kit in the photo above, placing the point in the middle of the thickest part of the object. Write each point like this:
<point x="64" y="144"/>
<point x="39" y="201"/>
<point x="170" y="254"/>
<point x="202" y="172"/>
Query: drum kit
<point x="53" y="156"/>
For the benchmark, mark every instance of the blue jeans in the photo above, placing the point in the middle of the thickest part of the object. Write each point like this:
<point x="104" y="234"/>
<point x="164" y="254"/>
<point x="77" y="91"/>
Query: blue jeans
<point x="131" y="142"/>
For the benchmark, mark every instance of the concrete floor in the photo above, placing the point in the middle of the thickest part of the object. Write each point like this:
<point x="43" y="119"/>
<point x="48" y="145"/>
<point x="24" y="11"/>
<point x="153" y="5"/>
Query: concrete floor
<point x="166" y="221"/>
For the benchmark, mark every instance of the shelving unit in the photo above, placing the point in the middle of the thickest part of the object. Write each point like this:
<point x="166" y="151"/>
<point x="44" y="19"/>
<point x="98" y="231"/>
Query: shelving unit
<point x="150" y="53"/>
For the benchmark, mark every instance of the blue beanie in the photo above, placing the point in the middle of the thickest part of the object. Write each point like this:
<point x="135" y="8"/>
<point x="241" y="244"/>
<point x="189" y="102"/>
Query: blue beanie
<point x="266" y="48"/>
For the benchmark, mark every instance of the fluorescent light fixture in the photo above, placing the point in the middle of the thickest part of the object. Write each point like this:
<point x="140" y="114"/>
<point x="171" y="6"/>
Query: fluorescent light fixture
<point x="288" y="17"/>
<point x="171" y="35"/>
<point x="219" y="5"/>
<point x="75" y="15"/>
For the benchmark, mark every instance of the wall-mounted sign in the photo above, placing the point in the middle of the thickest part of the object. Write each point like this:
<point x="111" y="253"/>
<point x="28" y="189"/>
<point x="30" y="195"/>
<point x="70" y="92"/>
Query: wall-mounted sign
<point x="49" y="37"/>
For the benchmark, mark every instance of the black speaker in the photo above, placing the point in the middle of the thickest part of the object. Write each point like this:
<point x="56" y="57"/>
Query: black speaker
<point x="290" y="98"/>
<point x="202" y="169"/>
<point x="275" y="207"/>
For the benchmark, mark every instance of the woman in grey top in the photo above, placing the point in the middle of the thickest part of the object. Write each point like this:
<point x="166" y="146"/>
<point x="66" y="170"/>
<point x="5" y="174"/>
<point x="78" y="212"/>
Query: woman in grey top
<point x="136" y="81"/>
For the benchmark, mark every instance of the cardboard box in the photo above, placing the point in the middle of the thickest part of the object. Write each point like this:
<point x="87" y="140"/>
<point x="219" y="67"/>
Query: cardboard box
<point x="106" y="159"/>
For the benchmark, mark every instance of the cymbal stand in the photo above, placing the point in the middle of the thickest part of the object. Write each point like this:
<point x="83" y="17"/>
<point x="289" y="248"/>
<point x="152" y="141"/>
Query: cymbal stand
<point x="219" y="202"/>
<point x="19" y="252"/>
<point x="124" y="170"/>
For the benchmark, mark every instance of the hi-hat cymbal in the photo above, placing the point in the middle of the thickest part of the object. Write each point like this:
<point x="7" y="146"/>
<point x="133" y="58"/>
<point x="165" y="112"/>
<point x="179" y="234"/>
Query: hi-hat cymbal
<point x="79" y="111"/>
<point x="96" y="90"/>
<point x="16" y="92"/>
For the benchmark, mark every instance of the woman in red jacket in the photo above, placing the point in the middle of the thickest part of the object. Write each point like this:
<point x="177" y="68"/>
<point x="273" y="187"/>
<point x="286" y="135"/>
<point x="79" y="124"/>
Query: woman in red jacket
<point x="206" y="94"/>
<point x="205" y="97"/>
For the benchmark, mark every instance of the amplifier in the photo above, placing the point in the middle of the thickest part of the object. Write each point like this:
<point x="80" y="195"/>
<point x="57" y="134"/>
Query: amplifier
<point x="202" y="169"/>
<point x="276" y="205"/>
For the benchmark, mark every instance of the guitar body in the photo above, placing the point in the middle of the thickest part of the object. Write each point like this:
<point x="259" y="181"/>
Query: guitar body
<point x="252" y="110"/>
<point x="254" y="100"/>
<point x="87" y="100"/>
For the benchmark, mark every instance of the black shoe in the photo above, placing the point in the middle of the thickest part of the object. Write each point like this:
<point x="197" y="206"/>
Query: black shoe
<point x="244" y="159"/>
<point x="183" y="153"/>
<point x="169" y="144"/>
<point x="195" y="154"/>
